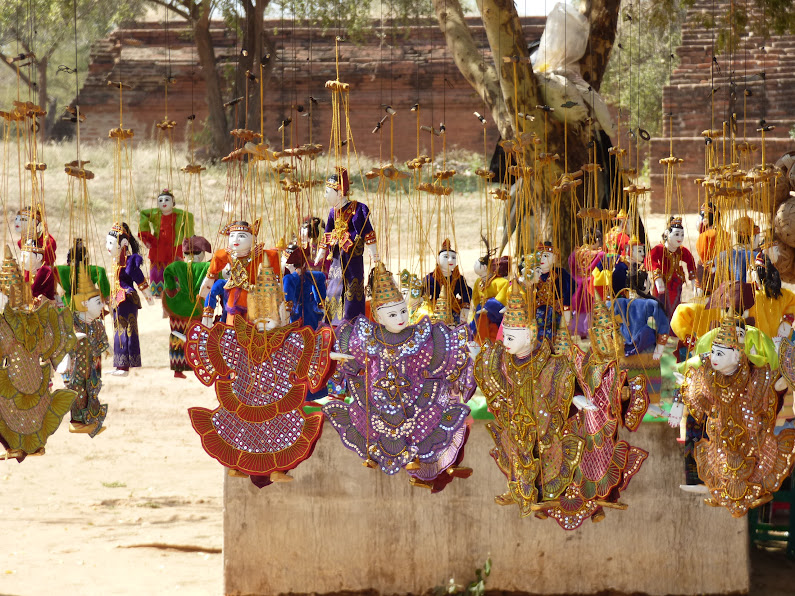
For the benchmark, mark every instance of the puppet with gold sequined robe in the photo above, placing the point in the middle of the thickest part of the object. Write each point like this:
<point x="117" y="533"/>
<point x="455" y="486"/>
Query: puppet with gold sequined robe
<point x="740" y="459"/>
<point x="33" y="343"/>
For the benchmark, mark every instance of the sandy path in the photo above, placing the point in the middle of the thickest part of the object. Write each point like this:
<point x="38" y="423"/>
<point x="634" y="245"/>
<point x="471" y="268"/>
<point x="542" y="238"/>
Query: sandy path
<point x="69" y="516"/>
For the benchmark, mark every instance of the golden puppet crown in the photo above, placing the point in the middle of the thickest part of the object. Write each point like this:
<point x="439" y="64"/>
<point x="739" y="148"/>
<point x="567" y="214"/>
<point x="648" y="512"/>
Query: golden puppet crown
<point x="727" y="334"/>
<point x="384" y="288"/>
<point x="516" y="312"/>
<point x="84" y="288"/>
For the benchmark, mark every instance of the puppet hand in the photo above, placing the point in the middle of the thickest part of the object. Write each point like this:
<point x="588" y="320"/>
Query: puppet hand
<point x="64" y="364"/>
<point x="464" y="314"/>
<point x="320" y="255"/>
<point x="675" y="415"/>
<point x="583" y="403"/>
<point x="785" y="329"/>
<point x="340" y="356"/>
<point x="659" y="284"/>
<point x="679" y="378"/>
<point x="148" y="296"/>
<point x="207" y="284"/>
<point x="781" y="384"/>
<point x="207" y="321"/>
<point x="567" y="317"/>
<point x="474" y="349"/>
<point x="777" y="343"/>
<point x="658" y="351"/>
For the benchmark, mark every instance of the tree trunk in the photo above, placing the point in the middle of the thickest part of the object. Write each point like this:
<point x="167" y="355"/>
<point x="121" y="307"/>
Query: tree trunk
<point x="255" y="46"/>
<point x="215" y="103"/>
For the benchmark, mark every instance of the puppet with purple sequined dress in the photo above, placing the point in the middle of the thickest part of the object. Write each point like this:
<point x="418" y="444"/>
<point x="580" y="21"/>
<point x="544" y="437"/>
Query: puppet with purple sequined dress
<point x="124" y="299"/>
<point x="409" y="385"/>
<point x="348" y="231"/>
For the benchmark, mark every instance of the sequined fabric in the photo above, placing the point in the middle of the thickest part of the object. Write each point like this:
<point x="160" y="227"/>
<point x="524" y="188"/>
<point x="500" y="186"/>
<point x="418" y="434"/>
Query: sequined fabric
<point x="407" y="394"/>
<point x="739" y="458"/>
<point x="261" y="381"/>
<point x="33" y="342"/>
<point x="84" y="374"/>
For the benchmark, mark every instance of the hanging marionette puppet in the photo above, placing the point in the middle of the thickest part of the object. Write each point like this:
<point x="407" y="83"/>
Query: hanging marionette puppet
<point x="409" y="385"/>
<point x="741" y="461"/>
<point x="262" y="372"/>
<point x="712" y="237"/>
<point x="348" y="231"/>
<point x="582" y="262"/>
<point x="552" y="289"/>
<point x="28" y="225"/>
<point x="304" y="289"/>
<point x="490" y="295"/>
<point x="447" y="276"/>
<point x="82" y="367"/>
<point x="33" y="342"/>
<point x="163" y="230"/>
<point x="540" y="443"/>
<point x="38" y="273"/>
<point x="181" y="301"/>
<point x="618" y="236"/>
<point x="243" y="256"/>
<point x="310" y="238"/>
<point x="747" y="247"/>
<point x="617" y="278"/>
<point x="66" y="275"/>
<point x="774" y="307"/>
<point x="125" y="301"/>
<point x="216" y="298"/>
<point x="665" y="263"/>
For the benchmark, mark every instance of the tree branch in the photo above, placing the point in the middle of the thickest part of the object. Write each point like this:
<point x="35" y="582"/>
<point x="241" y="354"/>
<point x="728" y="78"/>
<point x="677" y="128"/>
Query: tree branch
<point x="482" y="76"/>
<point x="7" y="61"/>
<point x="603" y="16"/>
<point x="172" y="6"/>
<point x="506" y="39"/>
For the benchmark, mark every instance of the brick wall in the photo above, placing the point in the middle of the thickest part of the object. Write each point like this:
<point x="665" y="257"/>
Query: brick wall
<point x="412" y="66"/>
<point x="688" y="95"/>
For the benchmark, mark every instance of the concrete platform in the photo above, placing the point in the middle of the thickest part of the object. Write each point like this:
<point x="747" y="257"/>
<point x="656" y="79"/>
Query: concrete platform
<point x="343" y="527"/>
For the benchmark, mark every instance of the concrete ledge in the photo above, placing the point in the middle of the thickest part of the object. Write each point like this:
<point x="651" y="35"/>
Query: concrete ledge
<point x="343" y="527"/>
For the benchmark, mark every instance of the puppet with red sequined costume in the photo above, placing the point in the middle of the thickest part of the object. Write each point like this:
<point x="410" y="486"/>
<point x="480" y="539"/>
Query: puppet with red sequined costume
<point x="28" y="224"/>
<point x="409" y="386"/>
<point x="262" y="371"/>
<point x="348" y="231"/>
<point x="740" y="459"/>
<point x="490" y="295"/>
<point x="37" y="271"/>
<point x="665" y="263"/>
<point x="582" y="261"/>
<point x="162" y="230"/>
<point x="244" y="259"/>
<point x="124" y="300"/>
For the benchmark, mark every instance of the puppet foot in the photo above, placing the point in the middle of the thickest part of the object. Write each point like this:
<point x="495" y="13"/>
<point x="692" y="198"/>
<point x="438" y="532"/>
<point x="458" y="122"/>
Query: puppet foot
<point x="504" y="499"/>
<point x="459" y="472"/>
<point x="236" y="473"/>
<point x="79" y="427"/>
<point x="694" y="488"/>
<point x="14" y="454"/>
<point x="281" y="477"/>
<point x="370" y="463"/>
<point x="413" y="465"/>
<point x="119" y="372"/>
<point x="598" y="516"/>
<point x="420" y="483"/>
<point x="39" y="451"/>
<point x="178" y="374"/>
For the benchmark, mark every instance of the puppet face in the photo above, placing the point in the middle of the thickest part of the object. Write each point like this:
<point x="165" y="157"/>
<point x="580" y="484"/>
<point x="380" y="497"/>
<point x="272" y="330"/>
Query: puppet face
<point x="21" y="223"/>
<point x="545" y="261"/>
<point x="240" y="242"/>
<point x="448" y="260"/>
<point x="481" y="269"/>
<point x="518" y="340"/>
<point x="393" y="315"/>
<point x="740" y="335"/>
<point x="93" y="308"/>
<point x="166" y="204"/>
<point x="724" y="360"/>
<point x="637" y="252"/>
<point x="112" y="245"/>
<point x="676" y="236"/>
<point x="334" y="198"/>
<point x="31" y="260"/>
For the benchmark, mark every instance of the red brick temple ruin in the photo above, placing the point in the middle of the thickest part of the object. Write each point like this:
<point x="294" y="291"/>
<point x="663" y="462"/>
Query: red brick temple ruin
<point x="413" y="65"/>
<point x="688" y="98"/>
